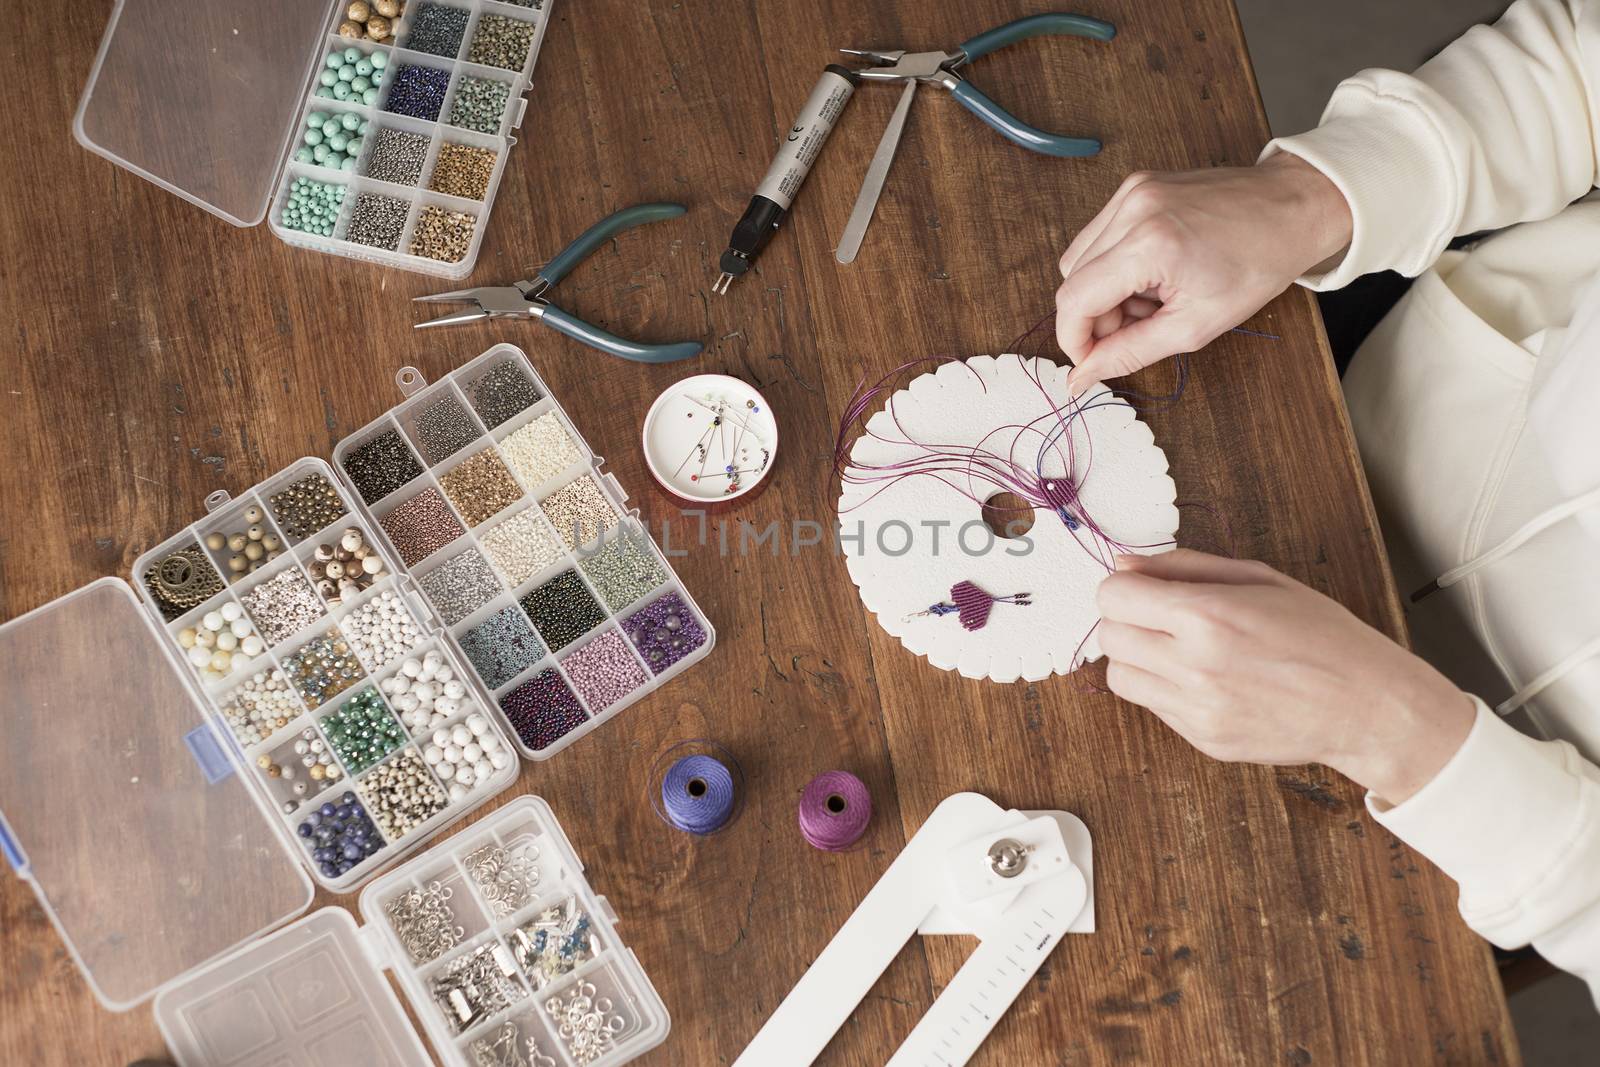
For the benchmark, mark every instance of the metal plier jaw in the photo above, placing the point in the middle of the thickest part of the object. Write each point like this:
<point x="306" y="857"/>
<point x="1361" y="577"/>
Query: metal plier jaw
<point x="525" y="299"/>
<point x="939" y="68"/>
<point x="901" y="65"/>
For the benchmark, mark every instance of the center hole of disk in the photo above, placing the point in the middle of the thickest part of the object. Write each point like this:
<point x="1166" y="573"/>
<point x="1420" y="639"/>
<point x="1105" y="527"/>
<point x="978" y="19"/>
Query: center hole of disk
<point x="1008" y="515"/>
<point x="697" y="787"/>
<point x="836" y="803"/>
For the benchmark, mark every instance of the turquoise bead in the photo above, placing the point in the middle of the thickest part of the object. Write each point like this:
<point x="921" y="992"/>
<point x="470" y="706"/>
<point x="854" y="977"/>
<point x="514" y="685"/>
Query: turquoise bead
<point x="352" y="54"/>
<point x="348" y="164"/>
<point x="314" y="137"/>
<point x="320" y="153"/>
<point x="370" y="97"/>
<point x="379" y="61"/>
<point x="350" y="120"/>
<point x="364" y="67"/>
<point x="360" y="84"/>
<point x="347" y="72"/>
<point x="316" y="118"/>
<point x="354" y="147"/>
<point x="331" y="127"/>
<point x="338" y="141"/>
<point x="303" y="156"/>
<point x="336" y="61"/>
<point x="341" y="90"/>
<point x="328" y="78"/>
<point x="323" y="92"/>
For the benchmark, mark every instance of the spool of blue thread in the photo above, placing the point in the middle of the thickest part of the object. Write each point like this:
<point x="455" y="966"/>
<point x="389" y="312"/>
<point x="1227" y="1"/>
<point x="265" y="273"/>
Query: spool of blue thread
<point x="697" y="794"/>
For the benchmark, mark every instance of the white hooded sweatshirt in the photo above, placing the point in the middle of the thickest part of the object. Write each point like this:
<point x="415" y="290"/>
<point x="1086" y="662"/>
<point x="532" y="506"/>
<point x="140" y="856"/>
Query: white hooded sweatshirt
<point x="1477" y="407"/>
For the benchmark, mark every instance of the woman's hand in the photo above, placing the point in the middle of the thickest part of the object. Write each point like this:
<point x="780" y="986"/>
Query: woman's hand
<point x="1250" y="665"/>
<point x="1174" y="260"/>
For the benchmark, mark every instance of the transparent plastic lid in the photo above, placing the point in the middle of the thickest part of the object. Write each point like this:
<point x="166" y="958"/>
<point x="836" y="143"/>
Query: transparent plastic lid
<point x="142" y="841"/>
<point x="306" y="995"/>
<point x="201" y="98"/>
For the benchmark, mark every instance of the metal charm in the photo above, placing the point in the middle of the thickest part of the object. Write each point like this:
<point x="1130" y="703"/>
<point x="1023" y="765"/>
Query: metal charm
<point x="553" y="943"/>
<point x="588" y="1023"/>
<point x="423" y="921"/>
<point x="506" y="878"/>
<point x="505" y="1048"/>
<point x="477" y="985"/>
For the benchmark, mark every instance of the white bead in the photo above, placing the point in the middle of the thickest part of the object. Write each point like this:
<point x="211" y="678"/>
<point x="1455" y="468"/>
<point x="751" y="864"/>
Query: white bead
<point x="446" y="707"/>
<point x="446" y="771"/>
<point x="454" y="689"/>
<point x="231" y="611"/>
<point x="465" y="776"/>
<point x="433" y="754"/>
<point x="452" y="753"/>
<point x="252" y="646"/>
<point x="500" y="759"/>
<point x="490" y="743"/>
<point x="471" y="752"/>
<point x="434" y="657"/>
<point x="457" y="790"/>
<point x="461" y="735"/>
<point x="424" y="691"/>
<point x="407" y="702"/>
<point x="477" y="724"/>
<point x="240" y="628"/>
<point x="410" y="668"/>
<point x="483" y="770"/>
<point x="212" y="620"/>
<point x="200" y="656"/>
<point x="444" y="674"/>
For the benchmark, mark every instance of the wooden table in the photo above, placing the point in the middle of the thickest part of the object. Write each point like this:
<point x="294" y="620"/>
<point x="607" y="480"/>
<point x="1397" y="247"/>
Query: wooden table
<point x="1246" y="915"/>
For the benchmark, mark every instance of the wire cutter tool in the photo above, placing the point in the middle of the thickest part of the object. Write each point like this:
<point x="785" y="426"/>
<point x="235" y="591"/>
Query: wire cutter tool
<point x="527" y="299"/>
<point x="942" y="69"/>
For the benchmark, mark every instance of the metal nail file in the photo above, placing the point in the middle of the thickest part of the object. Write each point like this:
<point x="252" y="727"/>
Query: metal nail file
<point x="872" y="184"/>
<point x="1018" y="881"/>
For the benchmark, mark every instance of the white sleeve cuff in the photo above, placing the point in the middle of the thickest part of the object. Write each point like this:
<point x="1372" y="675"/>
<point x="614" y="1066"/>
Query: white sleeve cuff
<point x="1514" y="822"/>
<point x="1390" y="162"/>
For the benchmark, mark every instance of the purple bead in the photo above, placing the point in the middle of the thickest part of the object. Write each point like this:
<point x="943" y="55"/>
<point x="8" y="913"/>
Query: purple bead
<point x="665" y="626"/>
<point x="542" y="709"/>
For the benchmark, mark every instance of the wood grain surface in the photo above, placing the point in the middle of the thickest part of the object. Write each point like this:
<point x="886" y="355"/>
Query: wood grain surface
<point x="1247" y="915"/>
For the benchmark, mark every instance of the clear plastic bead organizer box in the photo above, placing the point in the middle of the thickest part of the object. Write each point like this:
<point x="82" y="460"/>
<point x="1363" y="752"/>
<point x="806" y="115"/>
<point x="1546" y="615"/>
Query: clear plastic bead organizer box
<point x="387" y="150"/>
<point x="381" y="641"/>
<point x="503" y="950"/>
<point x="298" y="660"/>
<point x="559" y="601"/>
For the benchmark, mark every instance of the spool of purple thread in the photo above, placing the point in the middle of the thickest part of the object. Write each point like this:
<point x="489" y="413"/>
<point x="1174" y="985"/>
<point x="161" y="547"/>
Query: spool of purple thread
<point x="697" y="794"/>
<point x="834" y="811"/>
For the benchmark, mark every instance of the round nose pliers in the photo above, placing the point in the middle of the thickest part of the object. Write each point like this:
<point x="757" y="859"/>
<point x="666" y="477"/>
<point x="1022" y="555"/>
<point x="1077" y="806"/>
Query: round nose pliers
<point x="941" y="69"/>
<point x="526" y="299"/>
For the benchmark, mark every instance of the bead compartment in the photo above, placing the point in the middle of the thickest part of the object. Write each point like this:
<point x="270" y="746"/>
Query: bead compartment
<point x="475" y="387"/>
<point x="470" y="102"/>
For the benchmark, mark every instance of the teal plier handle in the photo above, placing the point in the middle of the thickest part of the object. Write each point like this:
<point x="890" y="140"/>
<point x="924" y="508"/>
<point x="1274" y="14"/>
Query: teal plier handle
<point x="998" y="118"/>
<point x="595" y="337"/>
<point x="579" y="250"/>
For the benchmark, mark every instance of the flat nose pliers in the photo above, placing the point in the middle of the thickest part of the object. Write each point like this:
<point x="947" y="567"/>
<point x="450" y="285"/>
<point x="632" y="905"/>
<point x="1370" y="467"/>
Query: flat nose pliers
<point x="942" y="69"/>
<point x="527" y="299"/>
